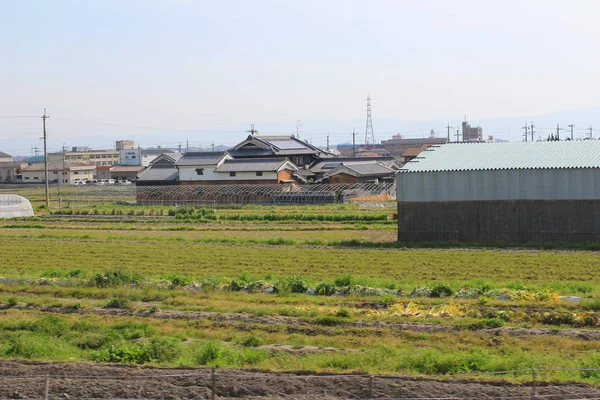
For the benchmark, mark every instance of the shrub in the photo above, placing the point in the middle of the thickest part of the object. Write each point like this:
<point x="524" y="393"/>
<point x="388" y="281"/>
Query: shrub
<point x="209" y="353"/>
<point x="343" y="313"/>
<point x="118" y="302"/>
<point x="328" y="320"/>
<point x="293" y="284"/>
<point x="325" y="289"/>
<point x="441" y="290"/>
<point x="252" y="341"/>
<point x="75" y="273"/>
<point x="51" y="325"/>
<point x="345" y="280"/>
<point x="114" y="278"/>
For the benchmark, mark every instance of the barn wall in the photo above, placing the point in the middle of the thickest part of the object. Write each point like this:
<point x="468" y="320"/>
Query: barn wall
<point x="518" y="221"/>
<point x="514" y="184"/>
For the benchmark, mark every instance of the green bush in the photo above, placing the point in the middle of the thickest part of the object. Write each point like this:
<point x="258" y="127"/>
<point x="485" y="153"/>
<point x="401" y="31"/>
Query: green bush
<point x="252" y="341"/>
<point x="209" y="353"/>
<point x="345" y="280"/>
<point x="51" y="325"/>
<point x="343" y="313"/>
<point x="294" y="284"/>
<point x="118" y="302"/>
<point x="114" y="278"/>
<point x="441" y="290"/>
<point x="325" y="289"/>
<point x="328" y="320"/>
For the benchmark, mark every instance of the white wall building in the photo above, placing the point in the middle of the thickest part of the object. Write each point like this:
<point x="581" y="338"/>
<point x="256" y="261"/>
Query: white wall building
<point x="58" y="173"/>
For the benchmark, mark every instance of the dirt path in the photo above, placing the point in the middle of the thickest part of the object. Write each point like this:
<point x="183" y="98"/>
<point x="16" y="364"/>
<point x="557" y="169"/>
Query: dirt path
<point x="26" y="380"/>
<point x="300" y="324"/>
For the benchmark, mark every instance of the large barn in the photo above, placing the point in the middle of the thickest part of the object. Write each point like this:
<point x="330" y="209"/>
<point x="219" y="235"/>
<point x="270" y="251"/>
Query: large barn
<point x="510" y="192"/>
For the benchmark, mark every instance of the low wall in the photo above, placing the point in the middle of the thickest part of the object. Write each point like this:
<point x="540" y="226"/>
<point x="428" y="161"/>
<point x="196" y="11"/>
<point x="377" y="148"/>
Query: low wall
<point x="519" y="221"/>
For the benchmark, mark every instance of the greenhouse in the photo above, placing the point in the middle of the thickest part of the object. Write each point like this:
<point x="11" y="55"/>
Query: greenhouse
<point x="12" y="205"/>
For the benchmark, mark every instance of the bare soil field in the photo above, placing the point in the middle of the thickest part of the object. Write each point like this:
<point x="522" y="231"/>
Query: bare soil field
<point x="27" y="380"/>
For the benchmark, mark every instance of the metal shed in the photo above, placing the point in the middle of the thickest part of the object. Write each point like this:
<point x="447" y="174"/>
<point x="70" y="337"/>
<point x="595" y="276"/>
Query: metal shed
<point x="517" y="192"/>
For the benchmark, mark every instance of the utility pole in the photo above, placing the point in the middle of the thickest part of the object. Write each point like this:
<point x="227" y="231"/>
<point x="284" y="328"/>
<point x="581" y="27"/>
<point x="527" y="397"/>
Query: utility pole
<point x="212" y="146"/>
<point x="44" y="118"/>
<point x="298" y="125"/>
<point x="591" y="132"/>
<point x="187" y="145"/>
<point x="179" y="147"/>
<point x="328" y="142"/>
<point x="558" y="129"/>
<point x="448" y="127"/>
<point x="572" y="126"/>
<point x="457" y="137"/>
<point x="353" y="142"/>
<point x="253" y="131"/>
<point x="532" y="131"/>
<point x="525" y="135"/>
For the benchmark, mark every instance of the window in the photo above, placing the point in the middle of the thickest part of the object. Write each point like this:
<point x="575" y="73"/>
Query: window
<point x="232" y="174"/>
<point x="199" y="171"/>
<point x="76" y="172"/>
<point x="26" y="178"/>
<point x="258" y="173"/>
<point x="35" y="177"/>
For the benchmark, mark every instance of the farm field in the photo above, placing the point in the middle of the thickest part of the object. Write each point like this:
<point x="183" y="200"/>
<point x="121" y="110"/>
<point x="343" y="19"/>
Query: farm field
<point x="281" y="295"/>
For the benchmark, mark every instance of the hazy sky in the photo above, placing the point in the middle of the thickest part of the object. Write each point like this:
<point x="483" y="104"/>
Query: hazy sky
<point x="149" y="67"/>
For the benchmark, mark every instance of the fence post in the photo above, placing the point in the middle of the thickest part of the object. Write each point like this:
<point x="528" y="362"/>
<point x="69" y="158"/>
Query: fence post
<point x="533" y="384"/>
<point x="212" y="384"/>
<point x="47" y="389"/>
<point x="371" y="379"/>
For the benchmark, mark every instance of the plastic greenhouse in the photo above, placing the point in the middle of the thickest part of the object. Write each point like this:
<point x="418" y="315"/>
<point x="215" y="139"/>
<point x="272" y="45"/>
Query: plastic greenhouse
<point x="12" y="205"/>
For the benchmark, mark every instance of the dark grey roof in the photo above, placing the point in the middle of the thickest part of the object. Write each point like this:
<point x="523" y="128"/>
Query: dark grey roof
<point x="197" y="159"/>
<point x="328" y="164"/>
<point x="159" y="173"/>
<point x="252" y="165"/>
<point x="166" y="159"/>
<point x="251" y="153"/>
<point x="369" y="169"/>
<point x="278" y="145"/>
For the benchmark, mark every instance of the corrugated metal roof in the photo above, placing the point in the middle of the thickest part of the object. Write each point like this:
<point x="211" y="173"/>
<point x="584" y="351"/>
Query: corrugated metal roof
<point x="519" y="155"/>
<point x="251" y="165"/>
<point x="158" y="173"/>
<point x="194" y="159"/>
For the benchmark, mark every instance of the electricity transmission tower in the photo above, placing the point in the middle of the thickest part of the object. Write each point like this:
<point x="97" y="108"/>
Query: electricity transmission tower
<point x="369" y="135"/>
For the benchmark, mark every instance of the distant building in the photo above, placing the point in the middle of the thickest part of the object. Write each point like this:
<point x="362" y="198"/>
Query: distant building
<point x="356" y="171"/>
<point x="124" y="145"/>
<point x="125" y="173"/>
<point x="130" y="157"/>
<point x="161" y="171"/>
<point x="209" y="168"/>
<point x="471" y="134"/>
<point x="297" y="151"/>
<point x="88" y="157"/>
<point x="58" y="173"/>
<point x="5" y="157"/>
<point x="10" y="171"/>
<point x="407" y="148"/>
<point x="148" y="155"/>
